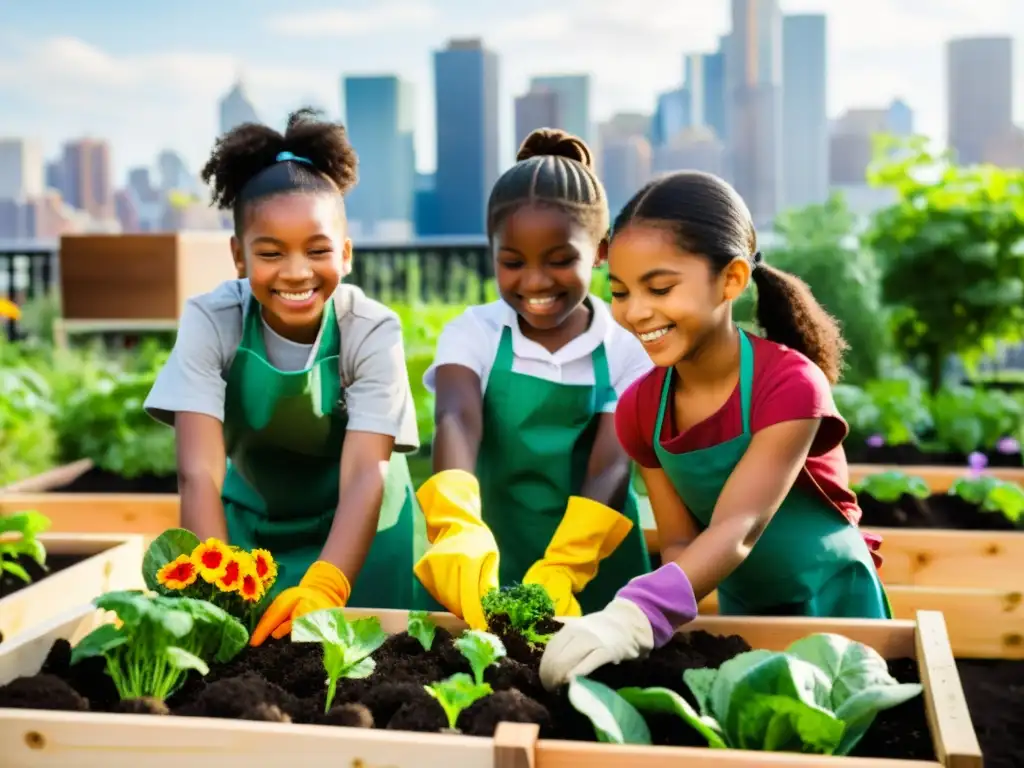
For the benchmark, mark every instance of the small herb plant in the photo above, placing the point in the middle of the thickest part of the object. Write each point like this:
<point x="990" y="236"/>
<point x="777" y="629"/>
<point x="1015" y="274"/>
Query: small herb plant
<point x="990" y="494"/>
<point x="422" y="628"/>
<point x="18" y="538"/>
<point x="158" y="640"/>
<point x="481" y="649"/>
<point x="456" y="693"/>
<point x="525" y="605"/>
<point x="890" y="487"/>
<point x="348" y="645"/>
<point x="819" y="696"/>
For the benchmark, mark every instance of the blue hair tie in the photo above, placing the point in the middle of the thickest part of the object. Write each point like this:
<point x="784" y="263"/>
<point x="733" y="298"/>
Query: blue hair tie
<point x="285" y="156"/>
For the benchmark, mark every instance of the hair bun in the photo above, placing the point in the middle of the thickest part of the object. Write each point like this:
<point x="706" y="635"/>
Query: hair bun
<point x="557" y="143"/>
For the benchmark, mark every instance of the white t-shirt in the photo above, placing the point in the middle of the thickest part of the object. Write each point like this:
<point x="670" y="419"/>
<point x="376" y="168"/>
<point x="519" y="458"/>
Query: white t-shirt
<point x="377" y="392"/>
<point x="472" y="339"/>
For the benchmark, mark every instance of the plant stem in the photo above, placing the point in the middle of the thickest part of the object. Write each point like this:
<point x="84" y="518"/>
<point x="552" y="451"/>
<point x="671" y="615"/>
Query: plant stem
<point x="332" y="687"/>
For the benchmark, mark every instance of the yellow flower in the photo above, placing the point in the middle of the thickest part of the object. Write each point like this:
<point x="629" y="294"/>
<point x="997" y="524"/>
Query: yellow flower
<point x="9" y="309"/>
<point x="266" y="568"/>
<point x="179" y="573"/>
<point x="250" y="587"/>
<point x="211" y="557"/>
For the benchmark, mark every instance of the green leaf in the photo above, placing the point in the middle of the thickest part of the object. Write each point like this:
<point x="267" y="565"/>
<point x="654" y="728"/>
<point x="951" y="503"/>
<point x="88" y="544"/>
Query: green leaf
<point x="456" y="693"/>
<point x="666" y="701"/>
<point x="778" y="723"/>
<point x="164" y="549"/>
<point x="183" y="660"/>
<point x="422" y="628"/>
<point x="223" y="636"/>
<point x="361" y="669"/>
<point x="28" y="523"/>
<point x="615" y="720"/>
<point x="481" y="649"/>
<point x="99" y="642"/>
<point x="700" y="682"/>
<point x="15" y="570"/>
<point x="859" y="710"/>
<point x="889" y="487"/>
<point x="850" y="667"/>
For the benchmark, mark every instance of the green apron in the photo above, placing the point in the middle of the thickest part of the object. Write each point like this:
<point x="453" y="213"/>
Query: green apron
<point x="283" y="433"/>
<point x="808" y="562"/>
<point x="537" y="440"/>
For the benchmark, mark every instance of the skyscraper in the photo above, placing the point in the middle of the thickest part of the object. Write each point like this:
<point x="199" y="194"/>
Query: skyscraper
<point x="675" y="111"/>
<point x="236" y="108"/>
<point x="574" y="94"/>
<point x="704" y="78"/>
<point x="21" y="169"/>
<point x="754" y="75"/>
<point x="87" y="177"/>
<point x="805" y="138"/>
<point x="979" y="77"/>
<point x="538" y="108"/>
<point x="466" y="99"/>
<point x="379" y="116"/>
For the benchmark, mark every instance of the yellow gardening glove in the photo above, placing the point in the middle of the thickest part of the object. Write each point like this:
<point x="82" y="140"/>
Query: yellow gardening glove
<point x="589" y="533"/>
<point x="323" y="586"/>
<point x="461" y="565"/>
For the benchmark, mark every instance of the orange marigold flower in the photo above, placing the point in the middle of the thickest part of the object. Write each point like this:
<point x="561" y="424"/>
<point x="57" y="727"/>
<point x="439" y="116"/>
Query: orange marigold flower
<point x="266" y="568"/>
<point x="230" y="580"/>
<point x="9" y="309"/>
<point x="179" y="573"/>
<point x="211" y="557"/>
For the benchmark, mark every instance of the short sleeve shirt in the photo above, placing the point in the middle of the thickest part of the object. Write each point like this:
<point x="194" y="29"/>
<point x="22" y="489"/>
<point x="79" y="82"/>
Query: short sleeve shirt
<point x="373" y="369"/>
<point x="471" y="340"/>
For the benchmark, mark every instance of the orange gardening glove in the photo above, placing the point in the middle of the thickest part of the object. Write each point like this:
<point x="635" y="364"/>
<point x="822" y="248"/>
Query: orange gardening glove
<point x="589" y="533"/>
<point x="323" y="586"/>
<point x="461" y="565"/>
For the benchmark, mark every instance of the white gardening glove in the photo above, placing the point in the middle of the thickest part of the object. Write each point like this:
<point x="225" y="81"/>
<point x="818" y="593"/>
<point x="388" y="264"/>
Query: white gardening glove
<point x="619" y="632"/>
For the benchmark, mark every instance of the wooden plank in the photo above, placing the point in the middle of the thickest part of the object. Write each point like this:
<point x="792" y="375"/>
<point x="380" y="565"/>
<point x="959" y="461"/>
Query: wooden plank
<point x="983" y="623"/>
<point x="945" y="558"/>
<point x="515" y="745"/>
<point x="147" y="514"/>
<point x="115" y="563"/>
<point x="949" y="720"/>
<point x="52" y="478"/>
<point x="939" y="478"/>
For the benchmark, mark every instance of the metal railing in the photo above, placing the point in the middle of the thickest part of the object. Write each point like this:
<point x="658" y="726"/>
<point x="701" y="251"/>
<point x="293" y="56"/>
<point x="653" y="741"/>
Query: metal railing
<point x="449" y="270"/>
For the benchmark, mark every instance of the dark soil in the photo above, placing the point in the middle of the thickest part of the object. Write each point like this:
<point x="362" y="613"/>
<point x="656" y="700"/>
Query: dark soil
<point x="9" y="584"/>
<point x="101" y="481"/>
<point x="284" y="682"/>
<point x="938" y="511"/>
<point x="913" y="456"/>
<point x="995" y="697"/>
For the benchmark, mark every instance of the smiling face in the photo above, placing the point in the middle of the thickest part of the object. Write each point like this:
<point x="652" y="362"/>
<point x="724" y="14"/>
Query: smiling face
<point x="294" y="252"/>
<point x="544" y="260"/>
<point x="669" y="298"/>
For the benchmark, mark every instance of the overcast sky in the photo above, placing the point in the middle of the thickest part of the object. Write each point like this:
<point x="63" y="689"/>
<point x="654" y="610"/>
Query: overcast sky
<point x="147" y="75"/>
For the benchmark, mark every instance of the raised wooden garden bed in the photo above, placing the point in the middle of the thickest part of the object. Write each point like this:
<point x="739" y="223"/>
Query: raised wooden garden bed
<point x="144" y="514"/>
<point x="81" y="567"/>
<point x="83" y="476"/>
<point x="937" y="722"/>
<point x="938" y="477"/>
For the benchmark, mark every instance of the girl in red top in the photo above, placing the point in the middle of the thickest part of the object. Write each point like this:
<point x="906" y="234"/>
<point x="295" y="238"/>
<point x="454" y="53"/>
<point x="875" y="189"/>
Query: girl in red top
<point x="737" y="437"/>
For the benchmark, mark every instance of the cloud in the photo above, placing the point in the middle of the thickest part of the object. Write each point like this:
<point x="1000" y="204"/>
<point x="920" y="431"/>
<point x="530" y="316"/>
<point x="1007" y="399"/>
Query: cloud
<point x="338" y="22"/>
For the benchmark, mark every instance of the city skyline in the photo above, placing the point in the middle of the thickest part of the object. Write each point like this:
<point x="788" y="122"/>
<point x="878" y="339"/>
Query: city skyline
<point x="61" y="69"/>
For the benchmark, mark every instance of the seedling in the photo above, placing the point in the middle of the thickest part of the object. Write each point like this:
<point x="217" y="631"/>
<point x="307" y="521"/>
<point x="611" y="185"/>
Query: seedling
<point x="455" y="694"/>
<point x="481" y="649"/>
<point x="525" y="605"/>
<point x="347" y="645"/>
<point x="27" y="526"/>
<point x="158" y="641"/>
<point x="422" y="628"/>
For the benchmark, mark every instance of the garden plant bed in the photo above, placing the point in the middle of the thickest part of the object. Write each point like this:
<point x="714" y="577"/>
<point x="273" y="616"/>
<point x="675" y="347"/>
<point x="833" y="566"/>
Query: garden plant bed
<point x="81" y="567"/>
<point x="84" y="477"/>
<point x="146" y="514"/>
<point x="911" y="455"/>
<point x="284" y="681"/>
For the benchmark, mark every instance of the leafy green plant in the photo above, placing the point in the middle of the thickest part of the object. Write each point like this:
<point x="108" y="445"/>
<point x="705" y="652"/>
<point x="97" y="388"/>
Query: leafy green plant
<point x="524" y="605"/>
<point x="28" y="441"/>
<point x="819" y="696"/>
<point x="348" y="645"/>
<point x="951" y="251"/>
<point x="422" y="628"/>
<point x="894" y="409"/>
<point x="455" y="694"/>
<point x="991" y="494"/>
<point x="481" y="649"/>
<point x="970" y="419"/>
<point x="159" y="640"/>
<point x="889" y="487"/>
<point x="26" y="526"/>
<point x="615" y="720"/>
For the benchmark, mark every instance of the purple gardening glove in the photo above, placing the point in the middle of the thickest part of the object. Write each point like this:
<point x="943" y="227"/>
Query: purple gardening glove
<point x="644" y="615"/>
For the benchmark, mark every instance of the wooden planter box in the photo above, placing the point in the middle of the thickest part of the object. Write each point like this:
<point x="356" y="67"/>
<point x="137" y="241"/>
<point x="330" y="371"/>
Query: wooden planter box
<point x="939" y="478"/>
<point x="139" y="277"/>
<point x="112" y="562"/>
<point x="34" y="738"/>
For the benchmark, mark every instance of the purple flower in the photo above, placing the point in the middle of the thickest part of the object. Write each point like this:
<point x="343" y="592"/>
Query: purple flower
<point x="977" y="461"/>
<point x="1008" y="446"/>
<point x="875" y="441"/>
